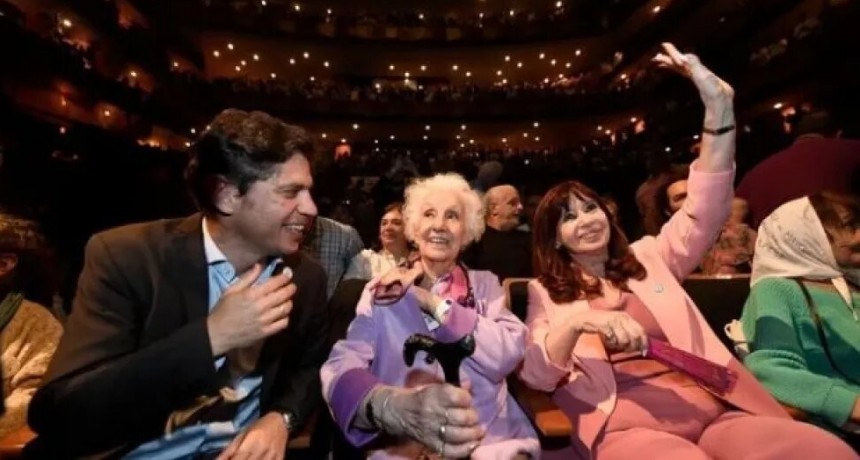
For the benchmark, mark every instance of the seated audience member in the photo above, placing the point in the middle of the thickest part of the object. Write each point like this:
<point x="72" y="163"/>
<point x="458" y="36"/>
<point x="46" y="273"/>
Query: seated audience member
<point x="503" y="249"/>
<point x="608" y="321"/>
<point x="801" y="319"/>
<point x="393" y="250"/>
<point x="669" y="193"/>
<point x="398" y="411"/>
<point x="788" y="174"/>
<point x="334" y="245"/>
<point x="733" y="251"/>
<point x="28" y="333"/>
<point x="178" y="345"/>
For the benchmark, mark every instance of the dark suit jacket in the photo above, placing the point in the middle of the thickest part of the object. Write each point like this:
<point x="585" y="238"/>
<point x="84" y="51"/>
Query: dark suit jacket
<point x="136" y="346"/>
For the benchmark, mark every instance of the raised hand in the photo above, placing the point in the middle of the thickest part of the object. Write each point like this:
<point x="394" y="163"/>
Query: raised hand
<point x="711" y="88"/>
<point x="246" y="313"/>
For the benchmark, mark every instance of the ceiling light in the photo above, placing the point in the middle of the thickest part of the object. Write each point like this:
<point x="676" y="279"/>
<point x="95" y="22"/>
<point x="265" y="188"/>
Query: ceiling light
<point x="504" y="81"/>
<point x="537" y="138"/>
<point x="406" y="74"/>
<point x="499" y="73"/>
<point x="668" y="149"/>
<point x="608" y="132"/>
<point x="512" y="12"/>
<point x="427" y="128"/>
<point x="193" y="131"/>
<point x="657" y="9"/>
<point x="323" y="135"/>
<point x="567" y="65"/>
<point x="599" y="128"/>
<point x="355" y="126"/>
<point x="216" y="53"/>
<point x="243" y="62"/>
<point x="312" y="78"/>
<point x="633" y="120"/>
<point x="468" y="74"/>
<point x="425" y="137"/>
<point x="421" y="16"/>
<point x="558" y="4"/>
<point x="238" y="69"/>
<point x="342" y="140"/>
<point x="187" y="144"/>
<point x="777" y="106"/>
<point x="67" y="23"/>
<point x="256" y="57"/>
<point x="455" y="67"/>
<point x="525" y="134"/>
<point x="133" y="74"/>
<point x="297" y="7"/>
<point x="541" y="56"/>
<point x="519" y="65"/>
<point x="175" y="64"/>
<point x="328" y="11"/>
<point x="462" y="145"/>
<point x="552" y="62"/>
<point x="536" y="124"/>
<point x="306" y="55"/>
<point x="325" y="64"/>
<point x="471" y="141"/>
<point x="504" y="140"/>
<point x="546" y="80"/>
<point x="462" y="127"/>
<point x="273" y="75"/>
<point x="263" y="2"/>
<point x="423" y="68"/>
<point x="507" y="58"/>
<point x="230" y="46"/>
<point x="578" y="52"/>
<point x="292" y="61"/>
<point x="391" y="137"/>
<point x="106" y="112"/>
<point x="457" y="137"/>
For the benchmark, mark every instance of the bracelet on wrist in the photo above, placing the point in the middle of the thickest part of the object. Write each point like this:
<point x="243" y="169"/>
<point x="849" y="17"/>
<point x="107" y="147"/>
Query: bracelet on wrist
<point x="718" y="131"/>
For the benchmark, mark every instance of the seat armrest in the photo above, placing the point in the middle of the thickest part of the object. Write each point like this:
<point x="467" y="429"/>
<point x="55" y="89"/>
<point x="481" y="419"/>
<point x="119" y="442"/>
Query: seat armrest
<point x="552" y="425"/>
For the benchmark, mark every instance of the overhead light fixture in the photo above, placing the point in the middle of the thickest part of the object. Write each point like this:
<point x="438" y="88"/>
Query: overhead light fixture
<point x="230" y="46"/>
<point x="778" y="105"/>
<point x="657" y="9"/>
<point x="312" y="78"/>
<point x="175" y="64"/>
<point x="468" y="74"/>
<point x="552" y="62"/>
<point x="297" y="7"/>
<point x="462" y="127"/>
<point x="507" y="58"/>
<point x="216" y="53"/>
<point x="256" y="57"/>
<point x="536" y="124"/>
<point x="567" y="65"/>
<point x="425" y="137"/>
<point x="325" y="64"/>
<point x="343" y="140"/>
<point x="355" y="126"/>
<point x="306" y="55"/>
<point x="578" y="52"/>
<point x="273" y="75"/>
<point x="292" y="61"/>
<point x="519" y="65"/>
<point x="323" y="135"/>
<point x="423" y="68"/>
<point x="67" y="23"/>
<point x="238" y="69"/>
<point x="391" y="137"/>
<point x="633" y="120"/>
<point x="243" y="62"/>
<point x="499" y="73"/>
<point x="455" y="67"/>
<point x="541" y="56"/>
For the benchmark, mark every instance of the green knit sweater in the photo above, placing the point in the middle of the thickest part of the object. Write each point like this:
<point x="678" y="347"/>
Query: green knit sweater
<point x="787" y="355"/>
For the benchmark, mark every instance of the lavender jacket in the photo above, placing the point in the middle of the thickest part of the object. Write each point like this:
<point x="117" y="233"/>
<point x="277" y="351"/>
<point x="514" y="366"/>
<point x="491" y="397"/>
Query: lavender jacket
<point x="372" y="354"/>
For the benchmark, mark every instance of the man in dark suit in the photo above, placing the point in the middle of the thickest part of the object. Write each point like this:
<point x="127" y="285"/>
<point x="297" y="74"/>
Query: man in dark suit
<point x="187" y="338"/>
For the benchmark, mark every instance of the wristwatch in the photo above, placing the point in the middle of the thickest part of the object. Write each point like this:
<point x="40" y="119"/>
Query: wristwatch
<point x="289" y="420"/>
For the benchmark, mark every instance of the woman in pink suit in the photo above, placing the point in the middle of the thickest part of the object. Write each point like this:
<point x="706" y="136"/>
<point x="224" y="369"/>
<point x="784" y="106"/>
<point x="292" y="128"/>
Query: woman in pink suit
<point x="599" y="303"/>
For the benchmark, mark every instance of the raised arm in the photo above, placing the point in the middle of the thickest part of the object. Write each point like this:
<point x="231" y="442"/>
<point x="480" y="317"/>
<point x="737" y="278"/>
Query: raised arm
<point x="691" y="231"/>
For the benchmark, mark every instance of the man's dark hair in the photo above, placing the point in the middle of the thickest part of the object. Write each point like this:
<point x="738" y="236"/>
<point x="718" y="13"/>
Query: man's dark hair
<point x="242" y="148"/>
<point x="816" y="122"/>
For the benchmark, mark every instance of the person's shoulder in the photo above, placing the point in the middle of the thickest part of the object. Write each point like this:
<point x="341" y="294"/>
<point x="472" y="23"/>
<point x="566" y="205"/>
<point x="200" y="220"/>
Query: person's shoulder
<point x="137" y="233"/>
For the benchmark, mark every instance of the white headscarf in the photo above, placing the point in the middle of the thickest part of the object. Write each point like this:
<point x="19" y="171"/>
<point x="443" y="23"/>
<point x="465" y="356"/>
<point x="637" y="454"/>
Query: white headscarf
<point x="792" y="243"/>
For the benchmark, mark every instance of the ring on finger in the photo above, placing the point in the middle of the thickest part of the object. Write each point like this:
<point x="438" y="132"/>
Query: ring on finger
<point x="442" y="430"/>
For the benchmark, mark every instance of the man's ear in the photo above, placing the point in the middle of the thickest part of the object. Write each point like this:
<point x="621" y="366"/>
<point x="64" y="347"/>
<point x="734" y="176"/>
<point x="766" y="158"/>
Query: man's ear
<point x="227" y="197"/>
<point x="8" y="262"/>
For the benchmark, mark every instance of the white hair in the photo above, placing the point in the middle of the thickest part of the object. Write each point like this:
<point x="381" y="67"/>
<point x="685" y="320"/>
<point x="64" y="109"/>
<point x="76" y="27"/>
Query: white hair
<point x="422" y="190"/>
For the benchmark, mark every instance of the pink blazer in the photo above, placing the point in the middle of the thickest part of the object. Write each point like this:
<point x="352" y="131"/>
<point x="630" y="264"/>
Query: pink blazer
<point x="585" y="387"/>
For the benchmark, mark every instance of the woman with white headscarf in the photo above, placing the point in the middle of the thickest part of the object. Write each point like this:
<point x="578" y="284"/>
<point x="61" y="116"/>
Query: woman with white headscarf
<point x="801" y="320"/>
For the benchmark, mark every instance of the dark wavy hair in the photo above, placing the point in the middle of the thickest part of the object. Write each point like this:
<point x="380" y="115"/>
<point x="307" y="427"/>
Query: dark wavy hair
<point x="241" y="148"/>
<point x="659" y="212"/>
<point x="558" y="273"/>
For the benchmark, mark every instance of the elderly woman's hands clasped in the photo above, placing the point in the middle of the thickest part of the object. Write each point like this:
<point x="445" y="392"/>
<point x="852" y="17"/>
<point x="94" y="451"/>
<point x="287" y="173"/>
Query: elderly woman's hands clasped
<point x="438" y="415"/>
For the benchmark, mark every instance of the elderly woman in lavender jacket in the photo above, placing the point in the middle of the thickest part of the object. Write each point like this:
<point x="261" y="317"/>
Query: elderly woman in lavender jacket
<point x="401" y="412"/>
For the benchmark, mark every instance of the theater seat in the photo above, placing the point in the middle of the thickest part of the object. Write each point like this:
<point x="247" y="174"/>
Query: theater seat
<point x="553" y="427"/>
<point x="720" y="298"/>
<point x="12" y="445"/>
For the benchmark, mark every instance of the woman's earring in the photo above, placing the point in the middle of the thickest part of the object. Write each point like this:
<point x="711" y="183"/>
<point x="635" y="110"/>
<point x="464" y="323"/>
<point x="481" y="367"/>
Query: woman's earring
<point x="557" y="244"/>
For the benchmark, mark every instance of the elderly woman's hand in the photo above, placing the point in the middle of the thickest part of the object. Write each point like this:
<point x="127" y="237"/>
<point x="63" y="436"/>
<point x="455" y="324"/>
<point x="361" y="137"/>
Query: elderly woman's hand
<point x="394" y="284"/>
<point x="440" y="416"/>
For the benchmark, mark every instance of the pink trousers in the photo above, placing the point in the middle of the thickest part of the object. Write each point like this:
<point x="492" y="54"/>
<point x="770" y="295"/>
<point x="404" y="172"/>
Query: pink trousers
<point x="733" y="435"/>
